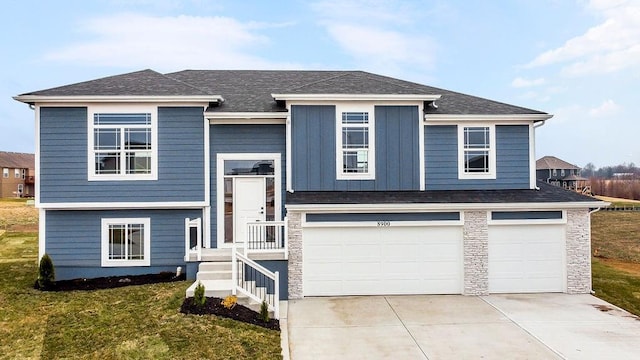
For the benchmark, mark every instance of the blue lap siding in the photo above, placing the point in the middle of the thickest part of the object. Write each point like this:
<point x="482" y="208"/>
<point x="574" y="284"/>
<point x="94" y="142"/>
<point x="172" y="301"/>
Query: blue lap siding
<point x="73" y="240"/>
<point x="63" y="160"/>
<point x="244" y="139"/>
<point x="441" y="159"/>
<point x="314" y="150"/>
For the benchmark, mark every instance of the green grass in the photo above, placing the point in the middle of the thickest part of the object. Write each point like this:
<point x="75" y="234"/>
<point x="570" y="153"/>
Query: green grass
<point x="616" y="235"/>
<point x="616" y="286"/>
<point x="615" y="239"/>
<point x="136" y="322"/>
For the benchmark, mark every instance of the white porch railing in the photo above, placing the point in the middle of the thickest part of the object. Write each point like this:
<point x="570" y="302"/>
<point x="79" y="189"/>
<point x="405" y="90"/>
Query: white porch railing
<point x="255" y="281"/>
<point x="267" y="236"/>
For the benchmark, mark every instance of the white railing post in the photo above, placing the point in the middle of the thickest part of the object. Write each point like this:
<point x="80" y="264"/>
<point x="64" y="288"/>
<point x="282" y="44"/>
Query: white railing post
<point x="285" y="244"/>
<point x="276" y="300"/>
<point x="234" y="271"/>
<point x="187" y="240"/>
<point x="199" y="238"/>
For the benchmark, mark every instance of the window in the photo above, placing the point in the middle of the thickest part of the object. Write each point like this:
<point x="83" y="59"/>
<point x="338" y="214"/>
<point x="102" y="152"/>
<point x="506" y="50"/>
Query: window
<point x="16" y="173"/>
<point x="476" y="154"/>
<point x="126" y="242"/>
<point x="24" y="173"/>
<point x="123" y="146"/>
<point x="562" y="172"/>
<point x="555" y="172"/>
<point x="20" y="189"/>
<point x="355" y="144"/>
<point x="5" y="173"/>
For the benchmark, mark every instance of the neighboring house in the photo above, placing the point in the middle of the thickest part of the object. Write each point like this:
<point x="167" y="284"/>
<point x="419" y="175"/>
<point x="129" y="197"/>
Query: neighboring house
<point x="345" y="182"/>
<point x="558" y="172"/>
<point x="18" y="177"/>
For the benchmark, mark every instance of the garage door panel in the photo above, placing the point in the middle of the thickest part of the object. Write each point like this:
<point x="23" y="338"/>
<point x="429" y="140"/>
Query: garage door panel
<point x="526" y="258"/>
<point x="394" y="260"/>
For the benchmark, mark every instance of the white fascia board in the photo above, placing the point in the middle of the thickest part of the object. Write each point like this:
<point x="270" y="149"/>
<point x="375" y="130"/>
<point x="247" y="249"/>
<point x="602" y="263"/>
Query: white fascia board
<point x="343" y="208"/>
<point x="356" y="97"/>
<point x="123" y="205"/>
<point x="246" y="115"/>
<point x="452" y="118"/>
<point x="32" y="99"/>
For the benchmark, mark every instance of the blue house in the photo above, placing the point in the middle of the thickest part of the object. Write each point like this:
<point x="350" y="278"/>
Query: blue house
<point x="286" y="184"/>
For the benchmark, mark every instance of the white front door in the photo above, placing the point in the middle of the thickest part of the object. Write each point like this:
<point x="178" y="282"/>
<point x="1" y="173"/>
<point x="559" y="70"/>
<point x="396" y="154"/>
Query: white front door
<point x="249" y="204"/>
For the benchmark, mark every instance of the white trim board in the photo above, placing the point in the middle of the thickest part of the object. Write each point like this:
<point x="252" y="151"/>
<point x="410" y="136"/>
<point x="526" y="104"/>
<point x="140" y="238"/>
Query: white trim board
<point x="31" y="99"/>
<point x="123" y="205"/>
<point x="357" y="97"/>
<point x="516" y="118"/>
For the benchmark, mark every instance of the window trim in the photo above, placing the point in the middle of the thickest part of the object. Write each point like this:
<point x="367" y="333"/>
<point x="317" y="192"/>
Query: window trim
<point x="16" y="173"/>
<point x="371" y="154"/>
<point x="5" y="173"/>
<point x="106" y="109"/>
<point x="491" y="174"/>
<point x="104" y="239"/>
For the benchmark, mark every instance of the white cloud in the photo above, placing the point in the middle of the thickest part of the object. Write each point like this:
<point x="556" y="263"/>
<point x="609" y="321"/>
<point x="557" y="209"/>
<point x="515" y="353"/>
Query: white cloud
<point x="167" y="43"/>
<point x="607" y="108"/>
<point x="378" y="34"/>
<point x="522" y="82"/>
<point x="611" y="46"/>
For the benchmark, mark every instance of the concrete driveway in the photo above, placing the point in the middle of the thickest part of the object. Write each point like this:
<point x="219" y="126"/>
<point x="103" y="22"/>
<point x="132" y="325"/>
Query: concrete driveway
<point x="539" y="326"/>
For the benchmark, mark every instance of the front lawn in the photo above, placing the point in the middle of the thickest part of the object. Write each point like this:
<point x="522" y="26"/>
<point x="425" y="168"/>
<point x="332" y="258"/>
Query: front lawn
<point x="615" y="244"/>
<point x="135" y="322"/>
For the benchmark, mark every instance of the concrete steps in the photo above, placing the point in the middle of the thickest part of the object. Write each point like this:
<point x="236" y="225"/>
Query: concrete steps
<point x="216" y="277"/>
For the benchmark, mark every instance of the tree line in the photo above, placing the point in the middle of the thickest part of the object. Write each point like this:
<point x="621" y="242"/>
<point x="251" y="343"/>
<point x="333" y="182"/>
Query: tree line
<point x="621" y="181"/>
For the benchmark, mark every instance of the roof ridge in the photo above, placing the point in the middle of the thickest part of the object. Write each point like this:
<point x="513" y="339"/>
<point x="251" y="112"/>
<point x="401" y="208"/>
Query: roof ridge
<point x="344" y="73"/>
<point x="186" y="83"/>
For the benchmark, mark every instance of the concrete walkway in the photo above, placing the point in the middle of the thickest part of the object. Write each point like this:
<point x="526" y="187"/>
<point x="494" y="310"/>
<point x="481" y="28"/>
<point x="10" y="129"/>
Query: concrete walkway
<point x="541" y="326"/>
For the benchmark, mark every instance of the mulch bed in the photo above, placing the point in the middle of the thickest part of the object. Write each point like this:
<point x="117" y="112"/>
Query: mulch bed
<point x="112" y="282"/>
<point x="213" y="306"/>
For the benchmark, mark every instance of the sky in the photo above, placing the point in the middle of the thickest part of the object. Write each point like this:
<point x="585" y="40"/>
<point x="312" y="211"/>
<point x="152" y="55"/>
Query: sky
<point x="576" y="59"/>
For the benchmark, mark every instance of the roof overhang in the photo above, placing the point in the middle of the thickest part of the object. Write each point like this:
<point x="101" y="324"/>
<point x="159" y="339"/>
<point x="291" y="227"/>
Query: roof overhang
<point x="356" y="97"/>
<point x="446" y="206"/>
<point x="33" y="99"/>
<point x="246" y="118"/>
<point x="436" y="118"/>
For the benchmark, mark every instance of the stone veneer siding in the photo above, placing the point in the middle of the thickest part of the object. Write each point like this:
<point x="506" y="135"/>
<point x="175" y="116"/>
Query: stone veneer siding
<point x="475" y="244"/>
<point x="294" y="239"/>
<point x="578" y="242"/>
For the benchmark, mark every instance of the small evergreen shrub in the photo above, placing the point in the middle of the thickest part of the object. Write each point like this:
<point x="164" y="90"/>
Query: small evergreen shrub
<point x="46" y="273"/>
<point x="230" y="302"/>
<point x="264" y="311"/>
<point x="198" y="295"/>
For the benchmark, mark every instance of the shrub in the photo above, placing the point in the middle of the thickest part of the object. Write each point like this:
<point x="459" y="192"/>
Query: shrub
<point x="230" y="302"/>
<point x="46" y="273"/>
<point x="198" y="295"/>
<point x="264" y="311"/>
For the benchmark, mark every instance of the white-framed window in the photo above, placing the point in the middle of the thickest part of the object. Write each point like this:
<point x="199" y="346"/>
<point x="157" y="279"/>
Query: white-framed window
<point x="562" y="172"/>
<point x="16" y="173"/>
<point x="555" y="172"/>
<point x="20" y="189"/>
<point x="355" y="143"/>
<point x="126" y="242"/>
<point x="24" y="173"/>
<point x="476" y="152"/>
<point x="122" y="144"/>
<point x="5" y="173"/>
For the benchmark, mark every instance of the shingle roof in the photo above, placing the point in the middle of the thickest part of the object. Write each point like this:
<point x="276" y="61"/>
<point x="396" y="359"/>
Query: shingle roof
<point x="552" y="162"/>
<point x="546" y="194"/>
<point x="16" y="160"/>
<point x="251" y="90"/>
<point x="142" y="83"/>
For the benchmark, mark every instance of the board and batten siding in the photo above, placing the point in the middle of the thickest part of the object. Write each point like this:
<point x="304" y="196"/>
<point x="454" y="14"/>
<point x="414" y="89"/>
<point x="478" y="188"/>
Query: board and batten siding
<point x="314" y="150"/>
<point x="73" y="240"/>
<point x="63" y="160"/>
<point x="441" y="159"/>
<point x="244" y="139"/>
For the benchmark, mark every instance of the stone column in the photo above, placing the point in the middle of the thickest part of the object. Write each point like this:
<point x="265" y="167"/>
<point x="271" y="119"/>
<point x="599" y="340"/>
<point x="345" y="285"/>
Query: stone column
<point x="475" y="245"/>
<point x="578" y="251"/>
<point x="294" y="240"/>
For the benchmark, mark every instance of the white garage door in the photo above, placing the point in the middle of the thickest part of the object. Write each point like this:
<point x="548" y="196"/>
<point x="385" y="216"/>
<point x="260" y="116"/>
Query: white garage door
<point x="382" y="260"/>
<point x="526" y="258"/>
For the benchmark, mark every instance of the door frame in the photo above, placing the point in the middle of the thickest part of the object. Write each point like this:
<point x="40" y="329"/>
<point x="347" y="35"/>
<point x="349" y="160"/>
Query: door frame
<point x="220" y="159"/>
